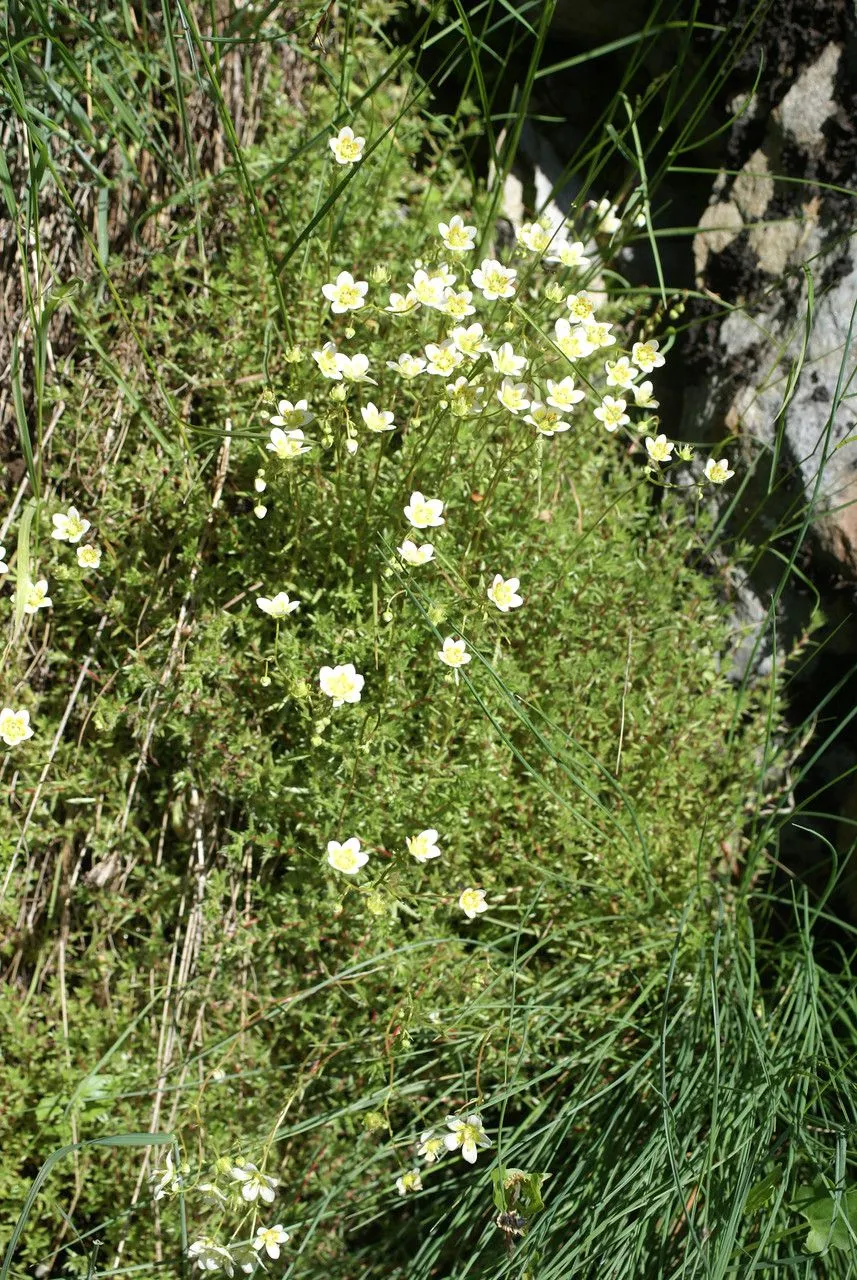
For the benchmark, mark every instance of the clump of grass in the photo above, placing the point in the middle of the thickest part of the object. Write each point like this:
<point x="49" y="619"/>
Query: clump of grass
<point x="225" y="872"/>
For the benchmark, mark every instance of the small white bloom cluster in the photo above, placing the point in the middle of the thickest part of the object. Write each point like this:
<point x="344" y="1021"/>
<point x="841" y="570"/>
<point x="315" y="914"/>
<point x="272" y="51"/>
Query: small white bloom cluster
<point x="466" y="1135"/>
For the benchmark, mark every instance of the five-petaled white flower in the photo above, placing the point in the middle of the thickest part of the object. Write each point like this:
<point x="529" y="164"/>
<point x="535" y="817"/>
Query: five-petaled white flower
<point x="424" y="846"/>
<point x="458" y="304"/>
<point x="472" y="902"/>
<point x="291" y="415"/>
<point x="270" y="1239"/>
<point x="470" y="340"/>
<point x="456" y="236"/>
<point x="165" y="1181"/>
<point x="424" y="513"/>
<point x="432" y="1146"/>
<point x="643" y="396"/>
<point x="429" y="290"/>
<point x="347" y="857"/>
<point x="467" y="1135"/>
<point x="454" y="652"/>
<point x="620" y="373"/>
<point x="354" y="368"/>
<point x="465" y="398"/>
<point x="503" y="593"/>
<point x="327" y="360"/>
<point x="410" y="1181"/>
<point x="254" y="1183"/>
<point x="659" y="449"/>
<point x="89" y="557"/>
<point x="718" y="472"/>
<point x="505" y="361"/>
<point x="569" y="255"/>
<point x="15" y="726"/>
<point x="514" y="396"/>
<point x="563" y="394"/>
<point x="342" y="684"/>
<point x="612" y="413"/>
<point x="36" y="596"/>
<point x="495" y="280"/>
<point x="286" y="444"/>
<point x="572" y="341"/>
<point x="546" y="421"/>
<point x="581" y="305"/>
<point x="443" y="358"/>
<point x="407" y="366"/>
<point x="535" y="237"/>
<point x="346" y="293"/>
<point x="376" y="419"/>
<point x="278" y="606"/>
<point x="599" y="334"/>
<point x="210" y="1256"/>
<point x="646" y="355"/>
<point x="401" y="303"/>
<point x="416" y="555"/>
<point x="346" y="148"/>
<point x="70" y="527"/>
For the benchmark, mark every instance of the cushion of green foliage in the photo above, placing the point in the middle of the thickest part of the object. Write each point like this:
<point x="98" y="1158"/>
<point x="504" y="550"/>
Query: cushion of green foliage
<point x="177" y="913"/>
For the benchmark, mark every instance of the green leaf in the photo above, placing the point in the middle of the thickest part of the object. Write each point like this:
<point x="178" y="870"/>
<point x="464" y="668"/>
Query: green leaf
<point x="832" y="1217"/>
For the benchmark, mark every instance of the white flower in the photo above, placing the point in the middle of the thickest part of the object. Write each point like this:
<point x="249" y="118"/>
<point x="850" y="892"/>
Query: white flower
<point x="260" y="511"/>
<point x="646" y="355"/>
<point x="454" y="652"/>
<point x="376" y="419"/>
<point x="643" y="396"/>
<point x="535" y="237"/>
<point x="659" y="449"/>
<point x="503" y="593"/>
<point x="260" y="484"/>
<point x="347" y="857"/>
<point x="469" y="340"/>
<point x="345" y="147"/>
<point x="581" y="305"/>
<point x="167" y="1180"/>
<point x="291" y="415"/>
<point x="279" y="606"/>
<point x="432" y="1146"/>
<point x="342" y="684"/>
<point x="209" y="1256"/>
<point x="599" y="335"/>
<point x="458" y="305"/>
<point x="443" y="358"/>
<point x="607" y="219"/>
<point x="400" y="303"/>
<point x="253" y="1183"/>
<point x="36" y="596"/>
<point x="15" y="726"/>
<point x="545" y="420"/>
<point x="424" y="846"/>
<point x="429" y="290"/>
<point x="468" y="1135"/>
<point x="620" y="373"/>
<point x="572" y="342"/>
<point x="612" y="413"/>
<point x="4" y="568"/>
<point x="327" y="360"/>
<point x="286" y="444"/>
<point x="466" y="398"/>
<point x="569" y="255"/>
<point x="506" y="362"/>
<point x="472" y="902"/>
<point x="424" y="513"/>
<point x="89" y="557"/>
<point x="407" y="365"/>
<point x="270" y="1239"/>
<point x="457" y="237"/>
<point x="410" y="1181"/>
<point x="514" y="396"/>
<point x="70" y="527"/>
<point x="495" y="280"/>
<point x="346" y="293"/>
<point x="563" y="394"/>
<point x="354" y="368"/>
<point x="718" y="472"/>
<point x="412" y="554"/>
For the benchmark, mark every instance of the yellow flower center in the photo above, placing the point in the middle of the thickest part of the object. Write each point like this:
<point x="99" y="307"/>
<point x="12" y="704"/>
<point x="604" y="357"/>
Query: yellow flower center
<point x="502" y="593"/>
<point x="496" y="282"/>
<point x="340" y="684"/>
<point x="349" y="148"/>
<point x="457" y="237"/>
<point x="348" y="295"/>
